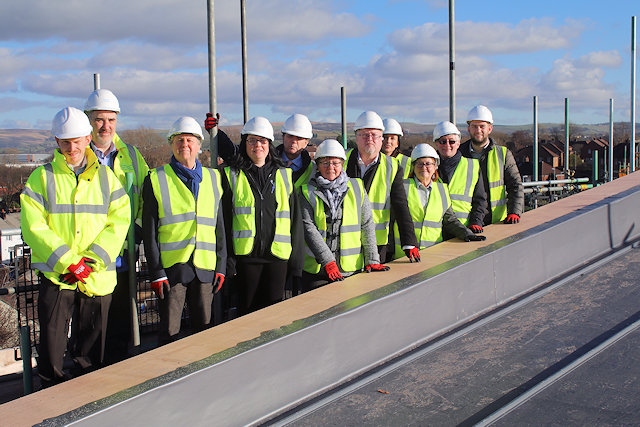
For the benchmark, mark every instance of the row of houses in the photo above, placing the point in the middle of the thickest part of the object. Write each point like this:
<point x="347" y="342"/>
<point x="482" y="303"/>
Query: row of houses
<point x="551" y="155"/>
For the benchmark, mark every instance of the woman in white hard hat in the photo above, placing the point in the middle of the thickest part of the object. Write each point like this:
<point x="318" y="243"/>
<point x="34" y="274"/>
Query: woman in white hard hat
<point x="391" y="144"/>
<point x="183" y="232"/>
<point x="429" y="201"/>
<point x="338" y="223"/>
<point x="266" y="230"/>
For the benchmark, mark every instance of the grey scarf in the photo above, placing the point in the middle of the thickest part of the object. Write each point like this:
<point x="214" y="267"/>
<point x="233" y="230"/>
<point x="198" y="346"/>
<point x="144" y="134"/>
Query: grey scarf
<point x="334" y="191"/>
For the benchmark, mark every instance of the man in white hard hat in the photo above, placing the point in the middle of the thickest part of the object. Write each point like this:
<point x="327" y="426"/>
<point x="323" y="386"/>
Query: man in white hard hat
<point x="75" y="216"/>
<point x="391" y="144"/>
<point x="502" y="180"/>
<point x="382" y="177"/>
<point x="102" y="108"/>
<point x="183" y="232"/>
<point x="463" y="176"/>
<point x="296" y="134"/>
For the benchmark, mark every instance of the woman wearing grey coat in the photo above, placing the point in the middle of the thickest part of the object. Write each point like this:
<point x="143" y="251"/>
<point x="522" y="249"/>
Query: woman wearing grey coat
<point x="338" y="225"/>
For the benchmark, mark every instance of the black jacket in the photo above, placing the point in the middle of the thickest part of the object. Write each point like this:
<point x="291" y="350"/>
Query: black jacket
<point x="479" y="200"/>
<point x="261" y="181"/>
<point x="512" y="178"/>
<point x="178" y="273"/>
<point x="399" y="207"/>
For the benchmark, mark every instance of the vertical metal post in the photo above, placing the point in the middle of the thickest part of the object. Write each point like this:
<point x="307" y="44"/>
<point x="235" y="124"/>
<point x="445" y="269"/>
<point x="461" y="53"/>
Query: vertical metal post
<point x="610" y="139"/>
<point x="213" y="108"/>
<point x="131" y="253"/>
<point x="566" y="138"/>
<point x="452" y="63"/>
<point x="343" y="103"/>
<point x="595" y="167"/>
<point x="25" y="353"/>
<point x="96" y="81"/>
<point x="633" y="94"/>
<point x="243" y="31"/>
<point x="535" y="139"/>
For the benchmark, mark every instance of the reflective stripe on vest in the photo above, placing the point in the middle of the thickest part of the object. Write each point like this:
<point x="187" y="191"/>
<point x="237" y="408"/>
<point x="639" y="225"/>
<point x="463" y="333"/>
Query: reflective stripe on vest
<point x="244" y="215"/>
<point x="351" y="257"/>
<point x="304" y="178"/>
<point x="427" y="220"/>
<point x="51" y="205"/>
<point x="405" y="162"/>
<point x="497" y="192"/>
<point x="461" y="186"/>
<point x="187" y="226"/>
<point x="379" y="195"/>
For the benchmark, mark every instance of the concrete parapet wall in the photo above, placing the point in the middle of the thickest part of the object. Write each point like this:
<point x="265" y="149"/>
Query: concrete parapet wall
<point x="246" y="371"/>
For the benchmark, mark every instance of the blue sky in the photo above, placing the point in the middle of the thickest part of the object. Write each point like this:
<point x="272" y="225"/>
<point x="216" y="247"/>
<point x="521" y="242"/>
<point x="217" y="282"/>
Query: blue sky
<point x="391" y="57"/>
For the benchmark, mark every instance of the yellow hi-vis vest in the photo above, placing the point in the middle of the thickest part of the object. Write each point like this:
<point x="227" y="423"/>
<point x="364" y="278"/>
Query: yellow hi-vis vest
<point x="380" y="195"/>
<point x="405" y="162"/>
<point x="65" y="217"/>
<point x="496" y="159"/>
<point x="351" y="257"/>
<point x="427" y="220"/>
<point x="461" y="187"/>
<point x="304" y="178"/>
<point x="244" y="215"/>
<point x="187" y="226"/>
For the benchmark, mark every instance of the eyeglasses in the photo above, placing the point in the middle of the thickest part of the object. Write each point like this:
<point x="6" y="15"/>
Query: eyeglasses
<point x="421" y="165"/>
<point x="447" y="141"/>
<point x="369" y="135"/>
<point x="327" y="163"/>
<point x="255" y="141"/>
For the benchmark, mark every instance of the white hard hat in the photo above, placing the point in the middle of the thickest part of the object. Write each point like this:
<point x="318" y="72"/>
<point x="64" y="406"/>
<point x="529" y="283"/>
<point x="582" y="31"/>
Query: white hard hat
<point x="330" y="148"/>
<point x="185" y="124"/>
<point x="480" y="112"/>
<point x="392" y="127"/>
<point x="70" y="123"/>
<point x="258" y="126"/>
<point x="444" y="128"/>
<point x="102" y="99"/>
<point x="298" y="125"/>
<point x="424" y="150"/>
<point x="368" y="120"/>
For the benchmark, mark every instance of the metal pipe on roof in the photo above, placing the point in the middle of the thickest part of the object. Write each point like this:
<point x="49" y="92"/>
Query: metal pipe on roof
<point x="245" y="88"/>
<point x="633" y="93"/>
<point x="610" y="139"/>
<point x="343" y="104"/>
<point x="566" y="137"/>
<point x="535" y="138"/>
<point x="452" y="63"/>
<point x="213" y="108"/>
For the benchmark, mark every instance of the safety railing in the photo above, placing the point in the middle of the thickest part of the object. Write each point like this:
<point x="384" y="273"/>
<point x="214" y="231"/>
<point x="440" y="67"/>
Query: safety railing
<point x="537" y="192"/>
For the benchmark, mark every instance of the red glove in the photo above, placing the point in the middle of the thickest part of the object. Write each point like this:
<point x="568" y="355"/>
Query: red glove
<point x="512" y="219"/>
<point x="210" y="122"/>
<point x="333" y="272"/>
<point x="68" y="278"/>
<point x="217" y="282"/>
<point x="81" y="270"/>
<point x="160" y="287"/>
<point x="476" y="228"/>
<point x="413" y="254"/>
<point x="376" y="267"/>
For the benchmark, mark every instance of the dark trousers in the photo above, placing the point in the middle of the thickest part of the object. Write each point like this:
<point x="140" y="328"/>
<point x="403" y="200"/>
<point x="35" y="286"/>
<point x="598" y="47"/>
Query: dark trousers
<point x="312" y="281"/>
<point x="198" y="296"/>
<point x="55" y="309"/>
<point x="119" y="323"/>
<point x="260" y="284"/>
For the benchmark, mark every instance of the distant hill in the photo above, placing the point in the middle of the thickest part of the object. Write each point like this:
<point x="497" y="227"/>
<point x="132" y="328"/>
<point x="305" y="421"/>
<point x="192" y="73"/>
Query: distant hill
<point x="26" y="141"/>
<point x="14" y="141"/>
